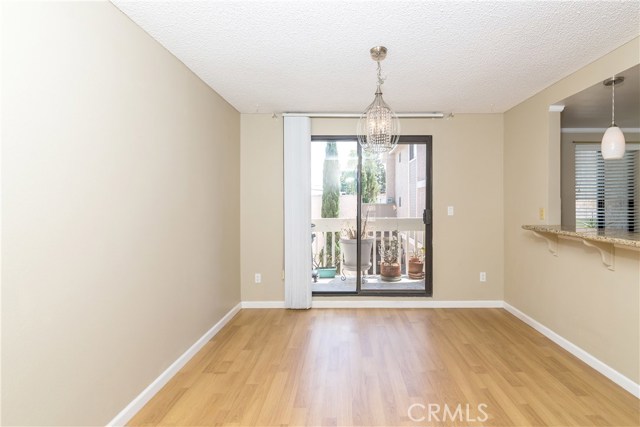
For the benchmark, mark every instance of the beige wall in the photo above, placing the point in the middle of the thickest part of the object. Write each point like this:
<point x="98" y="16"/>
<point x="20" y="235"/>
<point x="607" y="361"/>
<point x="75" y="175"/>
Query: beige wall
<point x="120" y="211"/>
<point x="262" y="199"/>
<point x="573" y="294"/>
<point x="467" y="173"/>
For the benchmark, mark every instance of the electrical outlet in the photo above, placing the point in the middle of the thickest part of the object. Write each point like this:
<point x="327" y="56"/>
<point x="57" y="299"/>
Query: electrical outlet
<point x="483" y="276"/>
<point x="541" y="213"/>
<point x="450" y="210"/>
<point x="258" y="278"/>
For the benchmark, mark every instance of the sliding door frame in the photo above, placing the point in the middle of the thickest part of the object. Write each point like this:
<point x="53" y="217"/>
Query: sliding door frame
<point x="427" y="141"/>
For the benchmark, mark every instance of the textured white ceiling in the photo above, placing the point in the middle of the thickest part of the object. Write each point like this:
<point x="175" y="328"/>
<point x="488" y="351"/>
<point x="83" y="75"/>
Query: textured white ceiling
<point x="313" y="56"/>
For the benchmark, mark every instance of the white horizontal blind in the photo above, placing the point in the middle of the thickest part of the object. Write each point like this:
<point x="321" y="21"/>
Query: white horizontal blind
<point x="607" y="191"/>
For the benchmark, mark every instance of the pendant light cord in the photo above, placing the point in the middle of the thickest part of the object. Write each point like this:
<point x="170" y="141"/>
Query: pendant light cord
<point x="613" y="101"/>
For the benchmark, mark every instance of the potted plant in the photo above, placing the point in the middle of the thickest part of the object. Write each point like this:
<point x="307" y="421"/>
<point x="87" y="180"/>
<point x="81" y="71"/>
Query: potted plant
<point x="390" y="269"/>
<point x="416" y="264"/>
<point x="349" y="247"/>
<point x="326" y="272"/>
<point x="322" y="271"/>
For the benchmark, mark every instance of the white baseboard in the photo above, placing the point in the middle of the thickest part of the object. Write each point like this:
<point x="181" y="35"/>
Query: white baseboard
<point x="606" y="370"/>
<point x="391" y="303"/>
<point x="262" y="304"/>
<point x="379" y="303"/>
<point x="136" y="404"/>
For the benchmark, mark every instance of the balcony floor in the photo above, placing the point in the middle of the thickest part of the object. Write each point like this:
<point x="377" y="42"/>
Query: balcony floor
<point x="373" y="283"/>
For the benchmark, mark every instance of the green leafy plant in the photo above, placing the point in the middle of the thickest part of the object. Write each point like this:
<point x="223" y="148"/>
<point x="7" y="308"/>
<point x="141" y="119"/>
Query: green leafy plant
<point x="370" y="183"/>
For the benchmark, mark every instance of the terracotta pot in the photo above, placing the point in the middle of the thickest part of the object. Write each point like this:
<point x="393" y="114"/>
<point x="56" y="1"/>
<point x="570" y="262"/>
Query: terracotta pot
<point x="415" y="266"/>
<point x="390" y="272"/>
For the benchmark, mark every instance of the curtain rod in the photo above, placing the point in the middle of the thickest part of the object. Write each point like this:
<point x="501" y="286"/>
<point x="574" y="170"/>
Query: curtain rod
<point x="357" y="115"/>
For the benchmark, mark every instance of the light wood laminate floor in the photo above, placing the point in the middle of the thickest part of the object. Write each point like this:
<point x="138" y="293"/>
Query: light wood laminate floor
<point x="367" y="367"/>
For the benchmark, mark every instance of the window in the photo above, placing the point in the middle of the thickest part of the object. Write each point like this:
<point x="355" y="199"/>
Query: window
<point x="412" y="152"/>
<point x="607" y="192"/>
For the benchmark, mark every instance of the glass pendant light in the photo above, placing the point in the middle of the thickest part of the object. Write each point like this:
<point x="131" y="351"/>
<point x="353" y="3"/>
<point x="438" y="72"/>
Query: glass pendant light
<point x="613" y="143"/>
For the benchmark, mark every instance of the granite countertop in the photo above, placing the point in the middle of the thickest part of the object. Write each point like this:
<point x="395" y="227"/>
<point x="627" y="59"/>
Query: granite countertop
<point x="616" y="237"/>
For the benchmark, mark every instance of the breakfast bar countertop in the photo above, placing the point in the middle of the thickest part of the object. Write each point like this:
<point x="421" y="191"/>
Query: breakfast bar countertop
<point x="613" y="236"/>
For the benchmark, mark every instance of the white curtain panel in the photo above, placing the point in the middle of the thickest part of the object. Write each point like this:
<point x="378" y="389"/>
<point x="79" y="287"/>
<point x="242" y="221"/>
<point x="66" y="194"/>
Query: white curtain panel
<point x="297" y="212"/>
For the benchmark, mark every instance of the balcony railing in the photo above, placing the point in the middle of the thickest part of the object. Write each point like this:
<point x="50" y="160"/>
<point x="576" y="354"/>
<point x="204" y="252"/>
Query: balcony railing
<point x="409" y="231"/>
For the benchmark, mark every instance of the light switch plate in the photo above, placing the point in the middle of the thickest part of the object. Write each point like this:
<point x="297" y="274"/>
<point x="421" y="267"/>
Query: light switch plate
<point x="450" y="210"/>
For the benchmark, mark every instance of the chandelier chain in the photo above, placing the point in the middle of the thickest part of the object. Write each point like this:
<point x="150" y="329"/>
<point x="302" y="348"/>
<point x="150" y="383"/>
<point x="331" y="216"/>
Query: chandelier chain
<point x="380" y="78"/>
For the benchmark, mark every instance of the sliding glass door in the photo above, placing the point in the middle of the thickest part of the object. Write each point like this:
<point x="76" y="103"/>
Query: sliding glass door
<point x="334" y="201"/>
<point x="371" y="216"/>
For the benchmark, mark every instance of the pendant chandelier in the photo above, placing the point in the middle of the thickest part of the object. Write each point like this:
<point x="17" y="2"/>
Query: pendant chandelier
<point x="378" y="127"/>
<point x="613" y="143"/>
